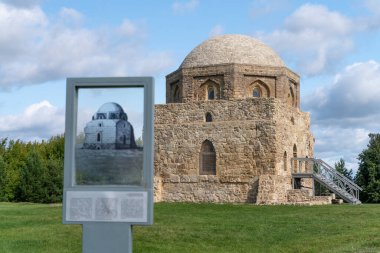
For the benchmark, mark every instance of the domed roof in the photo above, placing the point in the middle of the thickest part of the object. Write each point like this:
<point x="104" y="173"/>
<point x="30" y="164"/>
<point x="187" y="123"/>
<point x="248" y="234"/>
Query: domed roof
<point x="232" y="48"/>
<point x="111" y="111"/>
<point x="110" y="107"/>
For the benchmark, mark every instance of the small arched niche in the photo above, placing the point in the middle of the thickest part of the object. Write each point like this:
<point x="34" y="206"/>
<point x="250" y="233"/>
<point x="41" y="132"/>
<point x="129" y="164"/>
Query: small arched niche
<point x="291" y="97"/>
<point x="175" y="92"/>
<point x="285" y="161"/>
<point x="208" y="117"/>
<point x="292" y="120"/>
<point x="258" y="89"/>
<point x="210" y="90"/>
<point x="295" y="163"/>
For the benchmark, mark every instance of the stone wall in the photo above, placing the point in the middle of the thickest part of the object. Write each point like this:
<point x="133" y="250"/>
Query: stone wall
<point x="249" y="140"/>
<point x="302" y="196"/>
<point x="272" y="189"/>
<point x="207" y="188"/>
<point x="292" y="132"/>
<point x="233" y="81"/>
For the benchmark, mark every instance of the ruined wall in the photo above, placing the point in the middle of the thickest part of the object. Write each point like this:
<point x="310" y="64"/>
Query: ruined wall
<point x="250" y="137"/>
<point x="242" y="134"/>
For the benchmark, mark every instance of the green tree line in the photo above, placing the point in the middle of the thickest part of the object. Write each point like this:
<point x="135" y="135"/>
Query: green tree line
<point x="368" y="174"/>
<point x="31" y="171"/>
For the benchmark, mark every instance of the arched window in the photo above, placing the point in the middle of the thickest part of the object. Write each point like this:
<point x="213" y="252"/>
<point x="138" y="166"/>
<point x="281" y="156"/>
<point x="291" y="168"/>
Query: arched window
<point x="295" y="162"/>
<point x="176" y="94"/>
<point x="207" y="159"/>
<point x="256" y="93"/>
<point x="98" y="137"/>
<point x="211" y="94"/>
<point x="285" y="161"/>
<point x="291" y="99"/>
<point x="208" y="117"/>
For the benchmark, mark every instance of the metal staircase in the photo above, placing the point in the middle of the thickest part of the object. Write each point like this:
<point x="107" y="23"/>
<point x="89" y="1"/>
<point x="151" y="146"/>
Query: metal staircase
<point x="327" y="176"/>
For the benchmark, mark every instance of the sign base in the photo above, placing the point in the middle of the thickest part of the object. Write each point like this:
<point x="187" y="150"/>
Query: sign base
<point x="107" y="237"/>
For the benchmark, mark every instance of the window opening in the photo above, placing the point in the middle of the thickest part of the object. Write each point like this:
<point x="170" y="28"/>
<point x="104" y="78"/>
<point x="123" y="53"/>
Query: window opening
<point x="176" y="94"/>
<point x="256" y="93"/>
<point x="207" y="159"/>
<point x="208" y="117"/>
<point x="295" y="163"/>
<point x="211" y="94"/>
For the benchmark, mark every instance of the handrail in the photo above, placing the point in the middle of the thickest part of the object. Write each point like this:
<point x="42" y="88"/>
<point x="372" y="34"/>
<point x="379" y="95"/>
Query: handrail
<point x="337" y="173"/>
<point x="323" y="172"/>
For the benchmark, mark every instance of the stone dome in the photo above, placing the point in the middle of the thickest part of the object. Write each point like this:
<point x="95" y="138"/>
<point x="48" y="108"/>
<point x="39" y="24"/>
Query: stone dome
<point x="110" y="107"/>
<point x="111" y="110"/>
<point x="232" y="48"/>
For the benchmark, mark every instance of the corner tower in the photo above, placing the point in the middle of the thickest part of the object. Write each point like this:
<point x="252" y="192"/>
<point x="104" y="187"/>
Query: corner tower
<point x="230" y="126"/>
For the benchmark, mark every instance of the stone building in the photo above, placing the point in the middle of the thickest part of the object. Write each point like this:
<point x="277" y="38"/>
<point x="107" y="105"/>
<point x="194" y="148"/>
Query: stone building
<point x="230" y="125"/>
<point x="109" y="129"/>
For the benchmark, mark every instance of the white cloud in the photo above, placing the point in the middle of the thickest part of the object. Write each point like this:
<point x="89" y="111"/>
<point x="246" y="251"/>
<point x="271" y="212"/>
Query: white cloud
<point x="267" y="7"/>
<point x="313" y="37"/>
<point x="128" y="28"/>
<point x="35" y="49"/>
<point x="345" y="112"/>
<point x="71" y="17"/>
<point x="22" y="3"/>
<point x="355" y="94"/>
<point x="216" y="30"/>
<point x="372" y="21"/>
<point x="335" y="142"/>
<point x="38" y="121"/>
<point x="184" y="6"/>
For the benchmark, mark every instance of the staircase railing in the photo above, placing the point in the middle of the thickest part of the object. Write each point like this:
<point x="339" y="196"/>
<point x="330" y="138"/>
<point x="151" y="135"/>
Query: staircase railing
<point x="327" y="176"/>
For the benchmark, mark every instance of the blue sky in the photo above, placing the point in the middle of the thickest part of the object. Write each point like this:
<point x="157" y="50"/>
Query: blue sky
<point x="333" y="45"/>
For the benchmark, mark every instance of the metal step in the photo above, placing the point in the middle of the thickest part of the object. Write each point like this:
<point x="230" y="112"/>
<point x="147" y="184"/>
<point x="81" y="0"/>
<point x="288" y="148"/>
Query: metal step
<point x="330" y="178"/>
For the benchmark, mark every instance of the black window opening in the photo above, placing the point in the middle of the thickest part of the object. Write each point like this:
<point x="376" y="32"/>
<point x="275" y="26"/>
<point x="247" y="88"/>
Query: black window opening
<point x="211" y="94"/>
<point x="256" y="93"/>
<point x="207" y="159"/>
<point x="176" y="94"/>
<point x="208" y="117"/>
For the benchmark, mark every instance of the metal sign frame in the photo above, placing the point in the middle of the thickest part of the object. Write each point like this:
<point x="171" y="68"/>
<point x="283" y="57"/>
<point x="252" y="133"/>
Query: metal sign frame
<point x="117" y="191"/>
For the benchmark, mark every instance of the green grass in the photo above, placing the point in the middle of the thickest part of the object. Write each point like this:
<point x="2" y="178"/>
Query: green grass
<point x="181" y="228"/>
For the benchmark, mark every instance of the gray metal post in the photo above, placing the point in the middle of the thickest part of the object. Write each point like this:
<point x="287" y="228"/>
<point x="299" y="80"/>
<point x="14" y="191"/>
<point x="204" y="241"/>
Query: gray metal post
<point x="107" y="237"/>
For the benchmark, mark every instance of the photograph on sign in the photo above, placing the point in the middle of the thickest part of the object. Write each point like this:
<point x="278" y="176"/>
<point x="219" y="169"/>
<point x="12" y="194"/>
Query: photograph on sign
<point x="109" y="136"/>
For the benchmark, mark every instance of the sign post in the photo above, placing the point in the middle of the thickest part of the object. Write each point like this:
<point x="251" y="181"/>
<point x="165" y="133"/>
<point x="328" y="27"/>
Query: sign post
<point x="108" y="171"/>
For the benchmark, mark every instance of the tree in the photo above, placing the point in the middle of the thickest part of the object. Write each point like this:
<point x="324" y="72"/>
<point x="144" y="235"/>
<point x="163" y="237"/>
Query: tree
<point x="139" y="142"/>
<point x="368" y="176"/>
<point x="341" y="168"/>
<point x="33" y="179"/>
<point x="3" y="179"/>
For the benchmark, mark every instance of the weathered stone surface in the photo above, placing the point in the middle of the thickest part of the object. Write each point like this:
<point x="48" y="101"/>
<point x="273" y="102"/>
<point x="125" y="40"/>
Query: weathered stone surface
<point x="254" y="138"/>
<point x="250" y="137"/>
<point x="302" y="196"/>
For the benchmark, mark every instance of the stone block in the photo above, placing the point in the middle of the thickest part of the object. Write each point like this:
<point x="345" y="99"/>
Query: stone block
<point x="174" y="179"/>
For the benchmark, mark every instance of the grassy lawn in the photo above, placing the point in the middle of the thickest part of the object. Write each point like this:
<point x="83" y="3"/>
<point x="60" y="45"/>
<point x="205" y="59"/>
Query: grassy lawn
<point x="194" y="228"/>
